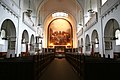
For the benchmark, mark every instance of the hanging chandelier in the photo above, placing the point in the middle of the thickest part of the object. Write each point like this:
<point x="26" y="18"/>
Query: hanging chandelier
<point x="90" y="10"/>
<point x="29" y="11"/>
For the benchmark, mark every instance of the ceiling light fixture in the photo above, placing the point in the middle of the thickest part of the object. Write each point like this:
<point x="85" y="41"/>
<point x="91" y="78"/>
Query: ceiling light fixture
<point x="59" y="14"/>
<point x="29" y="11"/>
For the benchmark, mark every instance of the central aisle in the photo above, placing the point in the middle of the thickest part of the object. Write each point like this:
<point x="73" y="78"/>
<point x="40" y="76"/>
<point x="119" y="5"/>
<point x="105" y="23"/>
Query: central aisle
<point x="59" y="69"/>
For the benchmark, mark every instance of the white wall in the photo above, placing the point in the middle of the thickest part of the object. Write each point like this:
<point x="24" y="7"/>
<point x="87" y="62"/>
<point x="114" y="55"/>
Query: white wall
<point x="112" y="13"/>
<point x="6" y="14"/>
<point x="16" y="17"/>
<point x="106" y="12"/>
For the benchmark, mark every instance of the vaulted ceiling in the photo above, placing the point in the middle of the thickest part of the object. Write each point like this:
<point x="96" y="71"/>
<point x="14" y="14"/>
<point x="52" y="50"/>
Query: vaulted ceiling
<point x="46" y="7"/>
<point x="39" y="2"/>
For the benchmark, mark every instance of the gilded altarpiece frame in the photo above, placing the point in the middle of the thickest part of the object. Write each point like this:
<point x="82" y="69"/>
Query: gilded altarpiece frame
<point x="58" y="34"/>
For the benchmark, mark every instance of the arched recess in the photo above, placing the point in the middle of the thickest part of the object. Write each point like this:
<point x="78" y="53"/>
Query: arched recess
<point x="8" y="35"/>
<point x="81" y="46"/>
<point x="60" y="33"/>
<point x="110" y="38"/>
<point x="78" y="45"/>
<point x="44" y="15"/>
<point x="95" y="42"/>
<point x="24" y="42"/>
<point x="87" y="43"/>
<point x="81" y="42"/>
<point x="46" y="25"/>
<point x="32" y="49"/>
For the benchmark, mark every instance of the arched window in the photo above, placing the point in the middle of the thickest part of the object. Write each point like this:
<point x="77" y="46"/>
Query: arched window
<point x="96" y="43"/>
<point x="87" y="43"/>
<point x="117" y="35"/>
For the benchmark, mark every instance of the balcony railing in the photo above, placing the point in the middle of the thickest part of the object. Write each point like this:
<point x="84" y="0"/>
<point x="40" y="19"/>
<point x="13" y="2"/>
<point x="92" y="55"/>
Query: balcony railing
<point x="92" y="21"/>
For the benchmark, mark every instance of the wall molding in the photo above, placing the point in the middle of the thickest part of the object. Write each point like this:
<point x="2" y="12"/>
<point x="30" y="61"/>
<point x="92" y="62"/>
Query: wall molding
<point x="5" y="7"/>
<point x="111" y="9"/>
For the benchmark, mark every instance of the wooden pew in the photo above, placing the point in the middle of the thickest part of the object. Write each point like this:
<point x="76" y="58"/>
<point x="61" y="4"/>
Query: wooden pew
<point x="24" y="68"/>
<point x="94" y="68"/>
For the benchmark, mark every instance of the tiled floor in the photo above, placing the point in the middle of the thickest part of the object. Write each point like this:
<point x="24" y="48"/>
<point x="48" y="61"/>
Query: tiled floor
<point x="59" y="69"/>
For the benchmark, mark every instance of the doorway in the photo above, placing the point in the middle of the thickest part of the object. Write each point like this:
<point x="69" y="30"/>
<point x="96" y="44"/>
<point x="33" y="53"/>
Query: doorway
<point x="60" y="51"/>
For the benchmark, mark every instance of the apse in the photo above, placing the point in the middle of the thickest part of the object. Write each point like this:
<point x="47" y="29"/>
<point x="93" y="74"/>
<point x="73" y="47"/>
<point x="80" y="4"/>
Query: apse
<point x="60" y="33"/>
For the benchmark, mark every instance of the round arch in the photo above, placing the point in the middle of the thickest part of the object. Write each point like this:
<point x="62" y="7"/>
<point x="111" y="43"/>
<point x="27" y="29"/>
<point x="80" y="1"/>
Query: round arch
<point x="47" y="18"/>
<point x="62" y="34"/>
<point x="24" y="42"/>
<point x="32" y="43"/>
<point x="94" y="36"/>
<point x="81" y="42"/>
<point x="8" y="35"/>
<point x="110" y="38"/>
<point x="87" y="43"/>
<point x="25" y="37"/>
<point x="81" y="45"/>
<point x="46" y="25"/>
<point x="32" y="39"/>
<point x="95" y="42"/>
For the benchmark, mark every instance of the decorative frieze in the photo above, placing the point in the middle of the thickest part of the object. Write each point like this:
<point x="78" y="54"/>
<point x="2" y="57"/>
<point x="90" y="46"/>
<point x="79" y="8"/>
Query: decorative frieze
<point x="110" y="10"/>
<point x="5" y="7"/>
